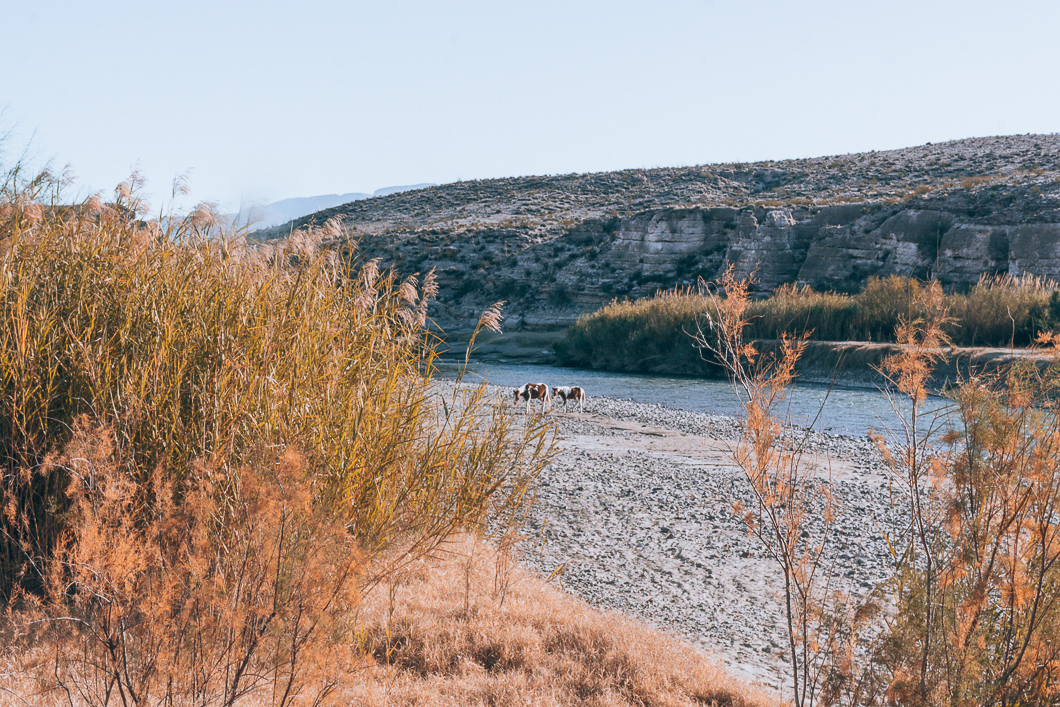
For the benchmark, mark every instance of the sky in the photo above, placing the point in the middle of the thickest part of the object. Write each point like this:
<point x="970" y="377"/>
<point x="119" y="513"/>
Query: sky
<point x="260" y="101"/>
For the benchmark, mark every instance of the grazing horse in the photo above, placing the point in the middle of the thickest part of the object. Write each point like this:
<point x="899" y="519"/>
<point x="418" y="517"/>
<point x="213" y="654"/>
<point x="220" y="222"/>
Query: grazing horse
<point x="533" y="391"/>
<point x="566" y="393"/>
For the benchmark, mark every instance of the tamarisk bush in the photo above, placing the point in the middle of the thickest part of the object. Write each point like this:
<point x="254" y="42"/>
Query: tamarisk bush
<point x="976" y="592"/>
<point x="971" y="613"/>
<point x="784" y="491"/>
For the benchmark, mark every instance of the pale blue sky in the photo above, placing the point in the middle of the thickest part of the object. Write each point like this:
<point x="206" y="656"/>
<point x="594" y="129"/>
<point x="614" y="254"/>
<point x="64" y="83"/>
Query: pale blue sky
<point x="267" y="100"/>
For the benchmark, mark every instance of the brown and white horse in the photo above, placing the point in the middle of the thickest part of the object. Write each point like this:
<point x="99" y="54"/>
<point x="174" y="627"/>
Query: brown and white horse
<point x="533" y="391"/>
<point x="567" y="393"/>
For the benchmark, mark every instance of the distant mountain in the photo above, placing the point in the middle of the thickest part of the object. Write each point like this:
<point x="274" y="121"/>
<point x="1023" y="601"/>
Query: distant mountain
<point x="266" y="215"/>
<point x="279" y="212"/>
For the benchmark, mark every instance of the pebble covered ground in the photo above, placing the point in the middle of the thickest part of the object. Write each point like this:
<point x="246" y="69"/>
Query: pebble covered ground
<point x="636" y="516"/>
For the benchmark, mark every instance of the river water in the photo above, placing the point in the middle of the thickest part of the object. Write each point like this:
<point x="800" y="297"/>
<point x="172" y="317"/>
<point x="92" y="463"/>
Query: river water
<point x="848" y="411"/>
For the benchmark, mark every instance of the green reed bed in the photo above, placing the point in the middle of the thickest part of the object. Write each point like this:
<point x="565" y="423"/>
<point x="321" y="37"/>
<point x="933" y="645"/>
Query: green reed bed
<point x="639" y="335"/>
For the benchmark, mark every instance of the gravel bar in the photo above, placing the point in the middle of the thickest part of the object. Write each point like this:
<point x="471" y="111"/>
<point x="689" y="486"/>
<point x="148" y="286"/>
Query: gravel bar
<point x="635" y="515"/>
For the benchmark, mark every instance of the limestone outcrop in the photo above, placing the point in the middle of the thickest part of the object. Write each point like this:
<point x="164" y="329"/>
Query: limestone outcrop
<point x="835" y="247"/>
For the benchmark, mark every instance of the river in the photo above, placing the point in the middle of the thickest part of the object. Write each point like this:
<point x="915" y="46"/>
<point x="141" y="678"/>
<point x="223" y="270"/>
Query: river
<point x="848" y="411"/>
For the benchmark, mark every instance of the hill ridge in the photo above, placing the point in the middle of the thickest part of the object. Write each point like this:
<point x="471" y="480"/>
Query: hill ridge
<point x="556" y="247"/>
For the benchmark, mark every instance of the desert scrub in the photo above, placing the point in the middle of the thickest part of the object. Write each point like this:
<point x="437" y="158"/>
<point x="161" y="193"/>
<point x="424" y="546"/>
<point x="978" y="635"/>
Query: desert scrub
<point x="171" y="399"/>
<point x="971" y="613"/>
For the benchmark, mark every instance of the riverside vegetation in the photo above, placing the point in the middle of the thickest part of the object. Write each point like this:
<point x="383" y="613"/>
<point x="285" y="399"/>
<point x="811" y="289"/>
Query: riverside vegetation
<point x="227" y="479"/>
<point x="214" y="458"/>
<point x="639" y="335"/>
<point x="971" y="614"/>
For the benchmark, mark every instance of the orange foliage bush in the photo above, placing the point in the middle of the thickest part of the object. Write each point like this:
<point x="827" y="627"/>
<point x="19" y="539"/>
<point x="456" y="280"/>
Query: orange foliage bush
<point x="238" y="583"/>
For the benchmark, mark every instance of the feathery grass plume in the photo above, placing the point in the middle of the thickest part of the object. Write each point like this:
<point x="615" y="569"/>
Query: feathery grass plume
<point x="203" y="216"/>
<point x="491" y="318"/>
<point x="181" y="186"/>
<point x="428" y="292"/>
<point x="430" y="285"/>
<point x="331" y="229"/>
<point x="201" y="365"/>
<point x="409" y="294"/>
<point x="409" y="290"/>
<point x="369" y="280"/>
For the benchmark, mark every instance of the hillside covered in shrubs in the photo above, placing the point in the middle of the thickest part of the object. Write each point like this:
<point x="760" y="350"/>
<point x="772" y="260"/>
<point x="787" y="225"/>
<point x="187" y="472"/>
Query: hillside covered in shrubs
<point x="560" y="246"/>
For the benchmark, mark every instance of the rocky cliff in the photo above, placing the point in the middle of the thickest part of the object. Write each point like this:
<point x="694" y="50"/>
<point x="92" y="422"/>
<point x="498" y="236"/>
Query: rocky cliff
<point x="557" y="247"/>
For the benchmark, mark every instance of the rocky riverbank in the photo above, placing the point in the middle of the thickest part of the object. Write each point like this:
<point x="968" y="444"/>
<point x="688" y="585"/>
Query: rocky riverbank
<point x="635" y="515"/>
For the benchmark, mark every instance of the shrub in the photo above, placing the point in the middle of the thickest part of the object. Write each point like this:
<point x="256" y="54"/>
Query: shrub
<point x="638" y="336"/>
<point x="975" y="596"/>
<point x="241" y="584"/>
<point x="207" y="450"/>
<point x="1003" y="311"/>
<point x="882" y="304"/>
<point x="792" y="309"/>
<point x="973" y="610"/>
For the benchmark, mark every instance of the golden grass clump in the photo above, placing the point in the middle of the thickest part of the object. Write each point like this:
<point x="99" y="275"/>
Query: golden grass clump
<point x="794" y="309"/>
<point x="1006" y="310"/>
<point x="441" y="634"/>
<point x="205" y="449"/>
<point x="639" y="335"/>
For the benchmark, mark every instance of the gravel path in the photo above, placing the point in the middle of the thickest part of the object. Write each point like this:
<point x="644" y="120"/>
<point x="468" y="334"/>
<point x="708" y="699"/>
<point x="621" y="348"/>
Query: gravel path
<point x="637" y="511"/>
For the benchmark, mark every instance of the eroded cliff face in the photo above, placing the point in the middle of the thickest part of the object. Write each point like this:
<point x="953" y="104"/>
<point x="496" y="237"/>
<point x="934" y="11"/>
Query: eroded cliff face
<point x="956" y="240"/>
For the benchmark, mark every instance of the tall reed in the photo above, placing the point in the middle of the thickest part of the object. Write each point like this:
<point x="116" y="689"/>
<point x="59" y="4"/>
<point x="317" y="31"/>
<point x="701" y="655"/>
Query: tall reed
<point x="639" y="336"/>
<point x="198" y="365"/>
<point x="1001" y="310"/>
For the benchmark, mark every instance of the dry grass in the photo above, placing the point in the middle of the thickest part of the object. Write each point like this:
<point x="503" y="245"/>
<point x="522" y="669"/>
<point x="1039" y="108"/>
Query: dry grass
<point x="441" y="634"/>
<point x="639" y="335"/>
<point x="207" y="452"/>
<point x="449" y="633"/>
